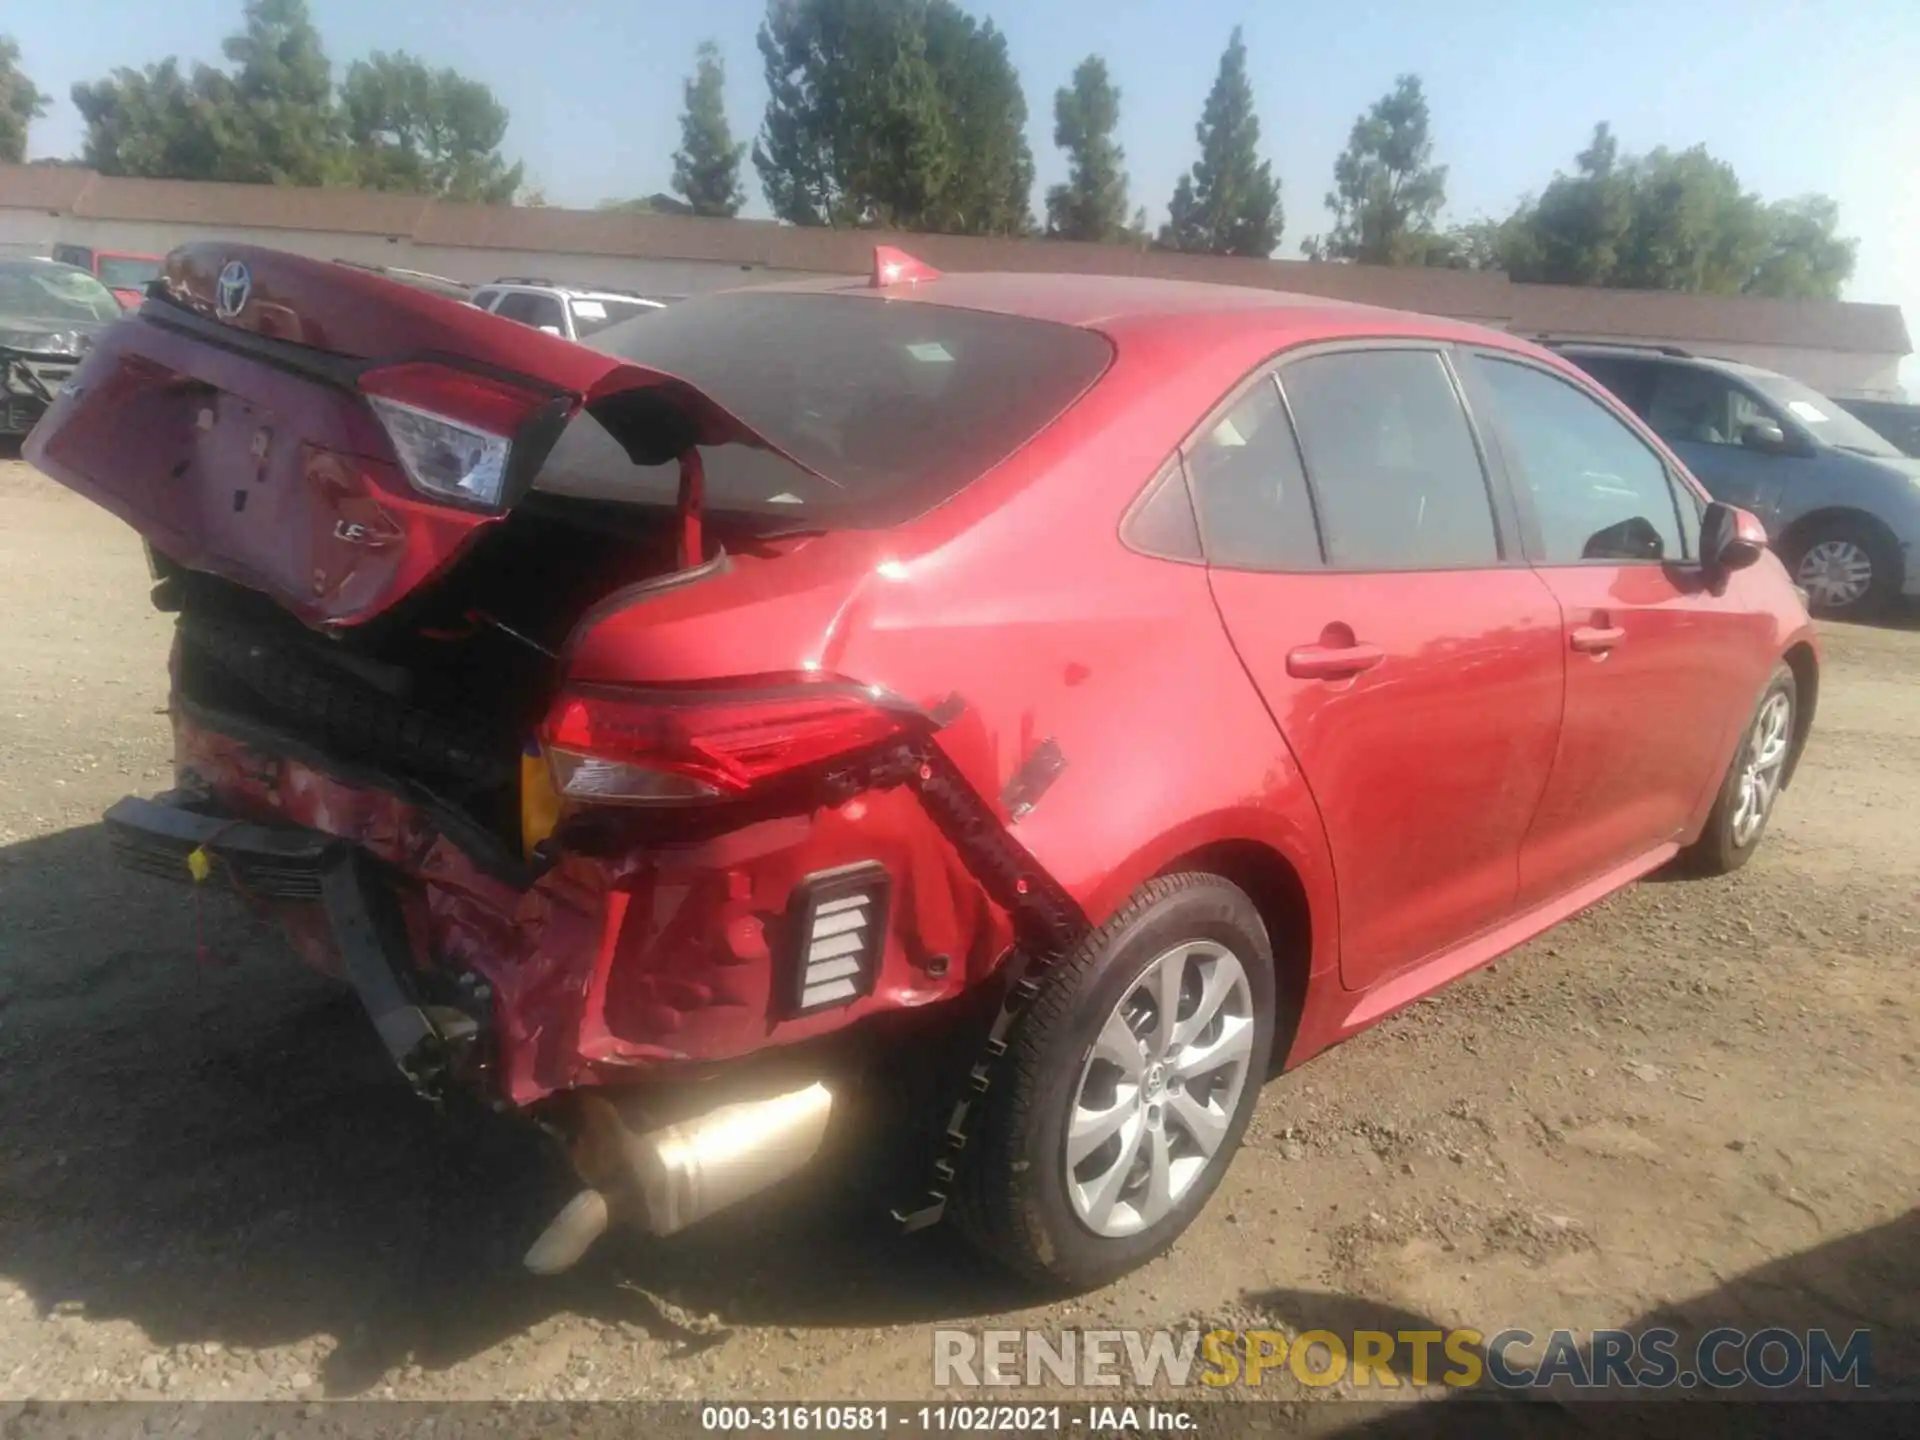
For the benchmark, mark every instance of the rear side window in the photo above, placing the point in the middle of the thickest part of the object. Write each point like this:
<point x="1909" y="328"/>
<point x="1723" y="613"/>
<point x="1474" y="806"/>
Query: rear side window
<point x="1255" y="512"/>
<point x="899" y="404"/>
<point x="1395" y="470"/>
<point x="1599" y="492"/>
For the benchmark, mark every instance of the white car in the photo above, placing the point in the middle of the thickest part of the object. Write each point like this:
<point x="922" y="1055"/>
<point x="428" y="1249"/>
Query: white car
<point x="572" y="312"/>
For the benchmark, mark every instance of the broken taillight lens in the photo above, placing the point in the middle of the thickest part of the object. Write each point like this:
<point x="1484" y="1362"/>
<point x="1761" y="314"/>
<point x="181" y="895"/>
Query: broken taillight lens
<point x="452" y="430"/>
<point x="614" y="745"/>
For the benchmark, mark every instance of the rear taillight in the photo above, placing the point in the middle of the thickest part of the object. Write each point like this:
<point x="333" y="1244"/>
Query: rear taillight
<point x="453" y="431"/>
<point x="614" y="745"/>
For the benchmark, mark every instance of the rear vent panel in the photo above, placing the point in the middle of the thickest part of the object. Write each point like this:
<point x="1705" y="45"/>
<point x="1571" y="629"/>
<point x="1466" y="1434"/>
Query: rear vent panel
<point x="837" y="936"/>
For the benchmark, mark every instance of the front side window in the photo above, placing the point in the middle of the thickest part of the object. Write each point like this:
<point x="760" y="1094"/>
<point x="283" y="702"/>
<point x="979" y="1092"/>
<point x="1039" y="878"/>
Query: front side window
<point x="1395" y="471"/>
<point x="1599" y="492"/>
<point x="1254" y="509"/>
<point x="1699" y="407"/>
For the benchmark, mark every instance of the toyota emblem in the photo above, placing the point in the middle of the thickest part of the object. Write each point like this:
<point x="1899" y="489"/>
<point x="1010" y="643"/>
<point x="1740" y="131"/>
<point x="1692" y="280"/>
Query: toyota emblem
<point x="231" y="291"/>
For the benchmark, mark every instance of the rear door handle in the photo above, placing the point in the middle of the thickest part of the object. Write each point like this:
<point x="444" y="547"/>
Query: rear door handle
<point x="1332" y="662"/>
<point x="1597" y="639"/>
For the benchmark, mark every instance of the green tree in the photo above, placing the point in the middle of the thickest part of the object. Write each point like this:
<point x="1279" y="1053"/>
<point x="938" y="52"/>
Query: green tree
<point x="1673" y="220"/>
<point x="161" y="124"/>
<point x="901" y="114"/>
<point x="989" y="189"/>
<point x="706" y="168"/>
<point x="21" y="103"/>
<point x="425" y="132"/>
<point x="1693" y="227"/>
<point x="854" y="133"/>
<point x="1574" y="234"/>
<point x="1806" y="258"/>
<point x="1092" y="204"/>
<point x="1387" y="192"/>
<point x="283" y="87"/>
<point x="272" y="118"/>
<point x="1229" y="203"/>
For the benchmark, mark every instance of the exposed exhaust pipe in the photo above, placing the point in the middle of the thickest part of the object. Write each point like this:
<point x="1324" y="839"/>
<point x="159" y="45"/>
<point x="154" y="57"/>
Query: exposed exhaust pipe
<point x="671" y="1177"/>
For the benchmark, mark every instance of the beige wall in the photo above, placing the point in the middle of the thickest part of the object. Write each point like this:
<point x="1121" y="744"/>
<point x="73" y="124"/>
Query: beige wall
<point x="35" y="233"/>
<point x="22" y="231"/>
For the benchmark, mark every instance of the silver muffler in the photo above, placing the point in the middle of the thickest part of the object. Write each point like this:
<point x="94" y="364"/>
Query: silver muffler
<point x="668" y="1178"/>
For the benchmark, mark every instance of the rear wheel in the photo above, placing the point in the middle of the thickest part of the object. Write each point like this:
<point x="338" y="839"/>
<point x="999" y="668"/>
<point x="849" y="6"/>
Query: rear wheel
<point x="1752" y="784"/>
<point x="1128" y="1085"/>
<point x="1848" y="568"/>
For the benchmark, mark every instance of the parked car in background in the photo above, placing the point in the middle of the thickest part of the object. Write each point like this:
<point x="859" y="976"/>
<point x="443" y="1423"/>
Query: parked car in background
<point x="418" y="280"/>
<point x="1841" y="503"/>
<point x="124" y="272"/>
<point x="49" y="312"/>
<point x="678" y="735"/>
<point x="1897" y="421"/>
<point x="573" y="312"/>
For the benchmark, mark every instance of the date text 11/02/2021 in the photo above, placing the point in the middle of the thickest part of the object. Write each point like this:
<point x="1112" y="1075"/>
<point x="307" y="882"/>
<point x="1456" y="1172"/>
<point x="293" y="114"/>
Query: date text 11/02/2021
<point x="949" y="1418"/>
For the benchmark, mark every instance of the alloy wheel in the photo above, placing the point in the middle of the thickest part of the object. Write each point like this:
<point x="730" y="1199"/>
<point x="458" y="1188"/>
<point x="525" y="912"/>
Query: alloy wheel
<point x="1159" y="1089"/>
<point x="1835" y="573"/>
<point x="1764" y="761"/>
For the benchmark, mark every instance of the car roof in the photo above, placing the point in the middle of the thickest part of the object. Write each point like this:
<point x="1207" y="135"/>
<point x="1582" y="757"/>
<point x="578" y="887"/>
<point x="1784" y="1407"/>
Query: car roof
<point x="561" y="287"/>
<point x="1651" y="355"/>
<point x="1139" y="307"/>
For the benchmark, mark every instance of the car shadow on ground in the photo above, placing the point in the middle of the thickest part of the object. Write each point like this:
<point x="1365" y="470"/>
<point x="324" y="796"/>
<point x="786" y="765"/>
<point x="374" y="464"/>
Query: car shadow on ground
<point x="1865" y="1281"/>
<point x="206" y="1140"/>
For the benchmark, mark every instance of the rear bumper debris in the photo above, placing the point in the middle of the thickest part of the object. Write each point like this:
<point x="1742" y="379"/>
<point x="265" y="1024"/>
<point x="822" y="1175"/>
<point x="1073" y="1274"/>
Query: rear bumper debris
<point x="169" y="838"/>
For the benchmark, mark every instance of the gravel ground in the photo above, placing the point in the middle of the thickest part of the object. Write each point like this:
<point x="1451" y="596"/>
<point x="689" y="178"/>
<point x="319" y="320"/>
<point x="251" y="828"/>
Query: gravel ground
<point x="1697" y="1100"/>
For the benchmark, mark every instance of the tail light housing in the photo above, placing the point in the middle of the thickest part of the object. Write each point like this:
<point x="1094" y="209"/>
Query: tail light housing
<point x="617" y="745"/>
<point x="461" y="435"/>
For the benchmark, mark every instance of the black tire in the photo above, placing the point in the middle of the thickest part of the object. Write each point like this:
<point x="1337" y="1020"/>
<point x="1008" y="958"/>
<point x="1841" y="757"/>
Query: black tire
<point x="1015" y="1206"/>
<point x="1717" y="851"/>
<point x="1883" y="557"/>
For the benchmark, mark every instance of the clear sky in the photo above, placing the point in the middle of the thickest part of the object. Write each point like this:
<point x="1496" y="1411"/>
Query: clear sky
<point x="1797" y="96"/>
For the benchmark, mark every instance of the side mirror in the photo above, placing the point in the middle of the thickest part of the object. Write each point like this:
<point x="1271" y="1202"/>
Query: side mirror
<point x="1730" y="538"/>
<point x="1766" y="436"/>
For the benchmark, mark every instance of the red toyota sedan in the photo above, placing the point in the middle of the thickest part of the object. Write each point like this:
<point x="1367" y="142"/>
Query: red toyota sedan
<point x="1136" y="686"/>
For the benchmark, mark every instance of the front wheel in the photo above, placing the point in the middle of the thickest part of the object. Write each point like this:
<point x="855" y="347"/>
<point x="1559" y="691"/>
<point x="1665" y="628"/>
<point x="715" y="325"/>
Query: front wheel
<point x="1848" y="569"/>
<point x="1752" y="784"/>
<point x="1127" y="1087"/>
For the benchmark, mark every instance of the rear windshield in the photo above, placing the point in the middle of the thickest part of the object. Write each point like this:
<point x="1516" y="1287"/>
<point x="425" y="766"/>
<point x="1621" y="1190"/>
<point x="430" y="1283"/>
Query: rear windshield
<point x="898" y="404"/>
<point x="591" y="316"/>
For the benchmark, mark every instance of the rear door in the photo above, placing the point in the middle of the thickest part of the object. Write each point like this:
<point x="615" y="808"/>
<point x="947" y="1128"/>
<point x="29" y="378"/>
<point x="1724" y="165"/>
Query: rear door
<point x="1660" y="668"/>
<point x="1372" y="582"/>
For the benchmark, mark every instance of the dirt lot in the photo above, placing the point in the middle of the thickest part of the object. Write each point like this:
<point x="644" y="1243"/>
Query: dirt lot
<point x="1697" y="1100"/>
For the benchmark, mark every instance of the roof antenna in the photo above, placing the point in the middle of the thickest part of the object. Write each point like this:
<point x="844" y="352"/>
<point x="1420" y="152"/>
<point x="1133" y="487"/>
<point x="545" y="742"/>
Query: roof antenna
<point x="896" y="267"/>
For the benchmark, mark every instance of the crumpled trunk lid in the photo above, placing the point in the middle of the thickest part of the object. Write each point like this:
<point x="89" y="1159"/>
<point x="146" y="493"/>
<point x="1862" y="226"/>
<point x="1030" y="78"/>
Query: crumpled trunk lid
<point x="227" y="421"/>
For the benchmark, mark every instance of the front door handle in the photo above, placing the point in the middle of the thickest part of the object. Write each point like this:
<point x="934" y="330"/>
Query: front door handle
<point x="1597" y="639"/>
<point x="1332" y="662"/>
